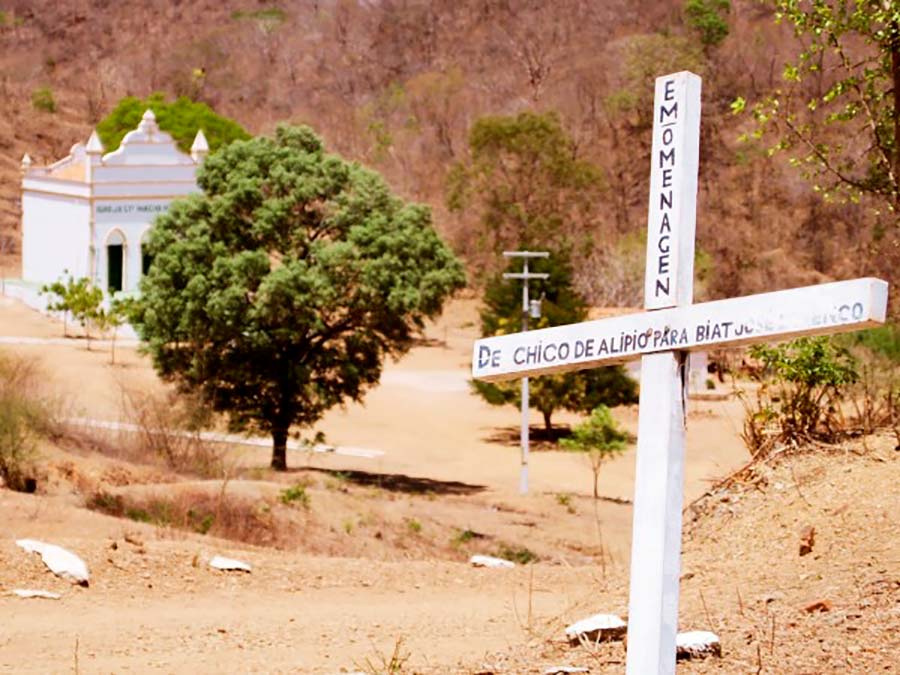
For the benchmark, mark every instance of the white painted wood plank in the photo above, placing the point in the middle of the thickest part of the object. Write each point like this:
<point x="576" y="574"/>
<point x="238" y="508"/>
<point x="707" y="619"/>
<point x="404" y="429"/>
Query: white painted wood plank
<point x="672" y="210"/>
<point x="811" y="310"/>
<point x="656" y="532"/>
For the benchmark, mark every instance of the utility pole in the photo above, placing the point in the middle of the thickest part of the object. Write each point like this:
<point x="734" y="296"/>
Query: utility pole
<point x="528" y="309"/>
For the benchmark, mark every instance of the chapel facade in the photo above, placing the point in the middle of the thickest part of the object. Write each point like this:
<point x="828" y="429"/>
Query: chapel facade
<point x="89" y="213"/>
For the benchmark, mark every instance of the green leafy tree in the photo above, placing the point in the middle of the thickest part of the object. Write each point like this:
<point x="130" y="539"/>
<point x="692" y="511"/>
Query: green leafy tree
<point x="579" y="391"/>
<point x="600" y="437"/>
<point x="112" y="318"/>
<point x="84" y="302"/>
<point x="182" y="118"/>
<point x="525" y="184"/>
<point x="279" y="290"/>
<point x="708" y="19"/>
<point x="58" y="300"/>
<point x="78" y="297"/>
<point x="838" y="111"/>
<point x="645" y="57"/>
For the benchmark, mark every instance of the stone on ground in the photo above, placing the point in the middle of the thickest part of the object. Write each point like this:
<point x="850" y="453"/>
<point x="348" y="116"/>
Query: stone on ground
<point x="697" y="644"/>
<point x="597" y="628"/>
<point x="35" y="593"/>
<point x="228" y="564"/>
<point x="58" y="560"/>
<point x="488" y="561"/>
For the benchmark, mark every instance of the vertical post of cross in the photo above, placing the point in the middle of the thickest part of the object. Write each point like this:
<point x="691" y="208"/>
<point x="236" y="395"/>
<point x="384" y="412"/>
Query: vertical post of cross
<point x="659" y="469"/>
<point x="525" y="276"/>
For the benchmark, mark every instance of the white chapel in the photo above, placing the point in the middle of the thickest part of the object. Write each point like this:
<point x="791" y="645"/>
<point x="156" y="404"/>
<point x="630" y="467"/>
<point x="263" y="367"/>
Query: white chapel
<point x="89" y="213"/>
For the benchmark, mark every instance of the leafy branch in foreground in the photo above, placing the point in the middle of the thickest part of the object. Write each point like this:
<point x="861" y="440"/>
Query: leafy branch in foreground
<point x="838" y="112"/>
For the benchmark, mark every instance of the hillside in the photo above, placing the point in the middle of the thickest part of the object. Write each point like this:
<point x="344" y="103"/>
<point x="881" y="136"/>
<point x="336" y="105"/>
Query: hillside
<point x="398" y="84"/>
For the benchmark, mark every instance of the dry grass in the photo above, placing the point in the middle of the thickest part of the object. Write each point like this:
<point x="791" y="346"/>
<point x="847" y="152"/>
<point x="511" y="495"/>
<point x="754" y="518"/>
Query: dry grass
<point x="27" y="411"/>
<point x="166" y="434"/>
<point x="218" y="514"/>
<point x="169" y="429"/>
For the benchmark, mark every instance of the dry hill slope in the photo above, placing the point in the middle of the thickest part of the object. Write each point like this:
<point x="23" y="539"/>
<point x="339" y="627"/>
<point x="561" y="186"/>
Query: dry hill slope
<point x="153" y="604"/>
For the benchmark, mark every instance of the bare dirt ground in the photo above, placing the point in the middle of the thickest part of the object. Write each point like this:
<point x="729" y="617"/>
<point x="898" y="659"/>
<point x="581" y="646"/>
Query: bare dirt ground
<point x="375" y="564"/>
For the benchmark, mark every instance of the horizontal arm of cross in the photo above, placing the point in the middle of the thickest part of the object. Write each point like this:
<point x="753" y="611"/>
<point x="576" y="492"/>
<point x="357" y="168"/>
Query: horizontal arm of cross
<point x="526" y="254"/>
<point x="812" y="310"/>
<point x="526" y="275"/>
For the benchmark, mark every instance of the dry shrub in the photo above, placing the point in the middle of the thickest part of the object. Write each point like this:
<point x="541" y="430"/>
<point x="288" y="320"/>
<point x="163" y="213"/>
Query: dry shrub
<point x="26" y="412"/>
<point x="875" y="398"/>
<point x="218" y="514"/>
<point x="169" y="430"/>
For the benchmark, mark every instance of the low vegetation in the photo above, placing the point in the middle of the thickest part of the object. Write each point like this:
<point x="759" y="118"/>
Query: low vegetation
<point x="822" y="390"/>
<point x="517" y="554"/>
<point x="42" y="99"/>
<point x="169" y="432"/>
<point x="296" y="494"/>
<point x="26" y="412"/>
<point x="600" y="438"/>
<point x="217" y="514"/>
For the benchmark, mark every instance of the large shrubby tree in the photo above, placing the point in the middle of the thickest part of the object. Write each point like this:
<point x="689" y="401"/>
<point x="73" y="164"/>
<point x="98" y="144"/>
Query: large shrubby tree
<point x="278" y="292"/>
<point x="182" y="118"/>
<point x="580" y="391"/>
<point x="526" y="185"/>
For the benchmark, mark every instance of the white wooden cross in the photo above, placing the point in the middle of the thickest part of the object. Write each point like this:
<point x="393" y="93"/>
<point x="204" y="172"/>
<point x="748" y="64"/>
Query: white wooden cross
<point x="662" y="337"/>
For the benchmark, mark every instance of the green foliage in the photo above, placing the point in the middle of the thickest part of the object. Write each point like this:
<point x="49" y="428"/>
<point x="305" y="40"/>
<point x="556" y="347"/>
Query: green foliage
<point x="524" y="183"/>
<point x="295" y="494"/>
<point x="113" y="317"/>
<point x="882" y="341"/>
<point x="8" y="18"/>
<point x="707" y="19"/>
<point x="600" y="437"/>
<point x="599" y="433"/>
<point x="42" y="99"/>
<point x="517" y="554"/>
<point x="836" y="113"/>
<point x="274" y="15"/>
<point x="646" y="57"/>
<point x="78" y="297"/>
<point x="182" y="118"/>
<point x="463" y="537"/>
<point x="579" y="391"/>
<point x="801" y="387"/>
<point x="414" y="525"/>
<point x="278" y="291"/>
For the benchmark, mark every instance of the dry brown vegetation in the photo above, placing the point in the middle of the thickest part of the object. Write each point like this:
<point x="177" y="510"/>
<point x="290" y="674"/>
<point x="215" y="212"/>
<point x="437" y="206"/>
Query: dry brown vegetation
<point x="397" y="85"/>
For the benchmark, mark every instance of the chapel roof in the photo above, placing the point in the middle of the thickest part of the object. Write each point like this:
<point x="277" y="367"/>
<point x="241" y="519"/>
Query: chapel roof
<point x="145" y="147"/>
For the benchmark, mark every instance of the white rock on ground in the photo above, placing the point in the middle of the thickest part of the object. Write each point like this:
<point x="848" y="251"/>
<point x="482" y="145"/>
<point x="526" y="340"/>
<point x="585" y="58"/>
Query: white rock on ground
<point x="61" y="562"/>
<point x="35" y="593"/>
<point x="697" y="644"/>
<point x="228" y="564"/>
<point x="597" y="628"/>
<point x="563" y="670"/>
<point x="488" y="561"/>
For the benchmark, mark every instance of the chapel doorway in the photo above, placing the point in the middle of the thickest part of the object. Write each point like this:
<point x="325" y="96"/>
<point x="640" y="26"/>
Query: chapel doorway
<point x="115" y="262"/>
